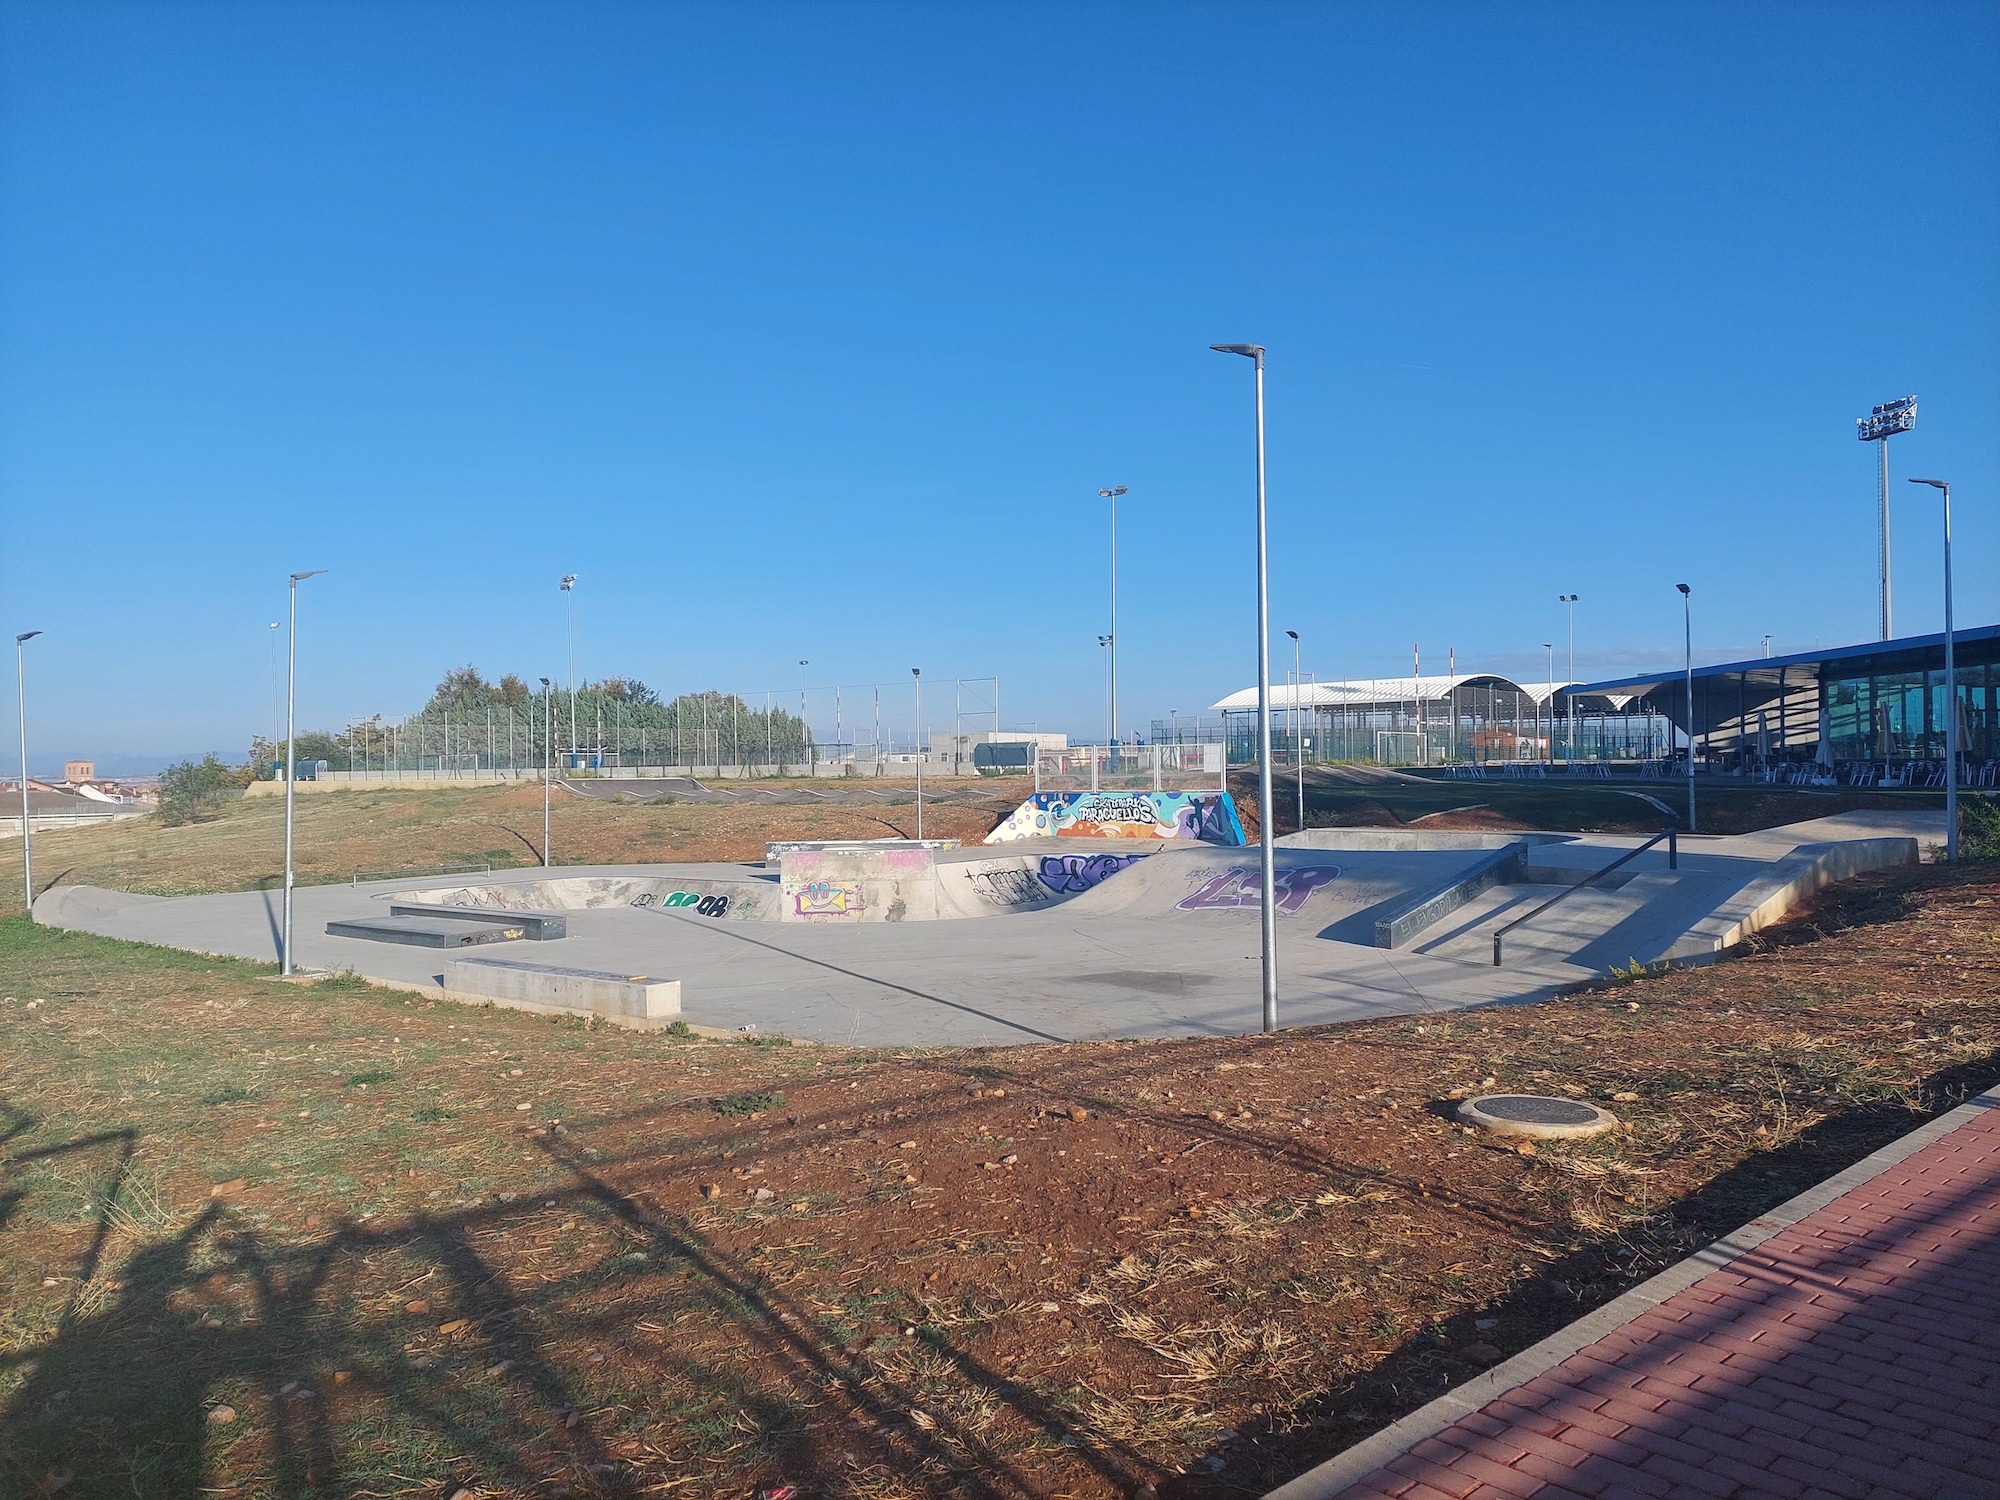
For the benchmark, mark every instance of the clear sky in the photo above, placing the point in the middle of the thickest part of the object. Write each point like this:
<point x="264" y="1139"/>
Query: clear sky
<point x="811" y="331"/>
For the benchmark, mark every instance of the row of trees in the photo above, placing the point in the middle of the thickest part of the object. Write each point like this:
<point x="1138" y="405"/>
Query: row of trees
<point x="470" y="723"/>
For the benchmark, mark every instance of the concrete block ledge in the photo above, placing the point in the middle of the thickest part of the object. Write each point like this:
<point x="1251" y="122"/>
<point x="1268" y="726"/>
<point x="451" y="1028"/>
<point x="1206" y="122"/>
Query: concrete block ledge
<point x="637" y="1001"/>
<point x="1426" y="908"/>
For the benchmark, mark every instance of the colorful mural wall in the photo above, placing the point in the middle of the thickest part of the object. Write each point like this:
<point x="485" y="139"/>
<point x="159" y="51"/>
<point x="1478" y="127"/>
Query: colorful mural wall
<point x="1207" y="816"/>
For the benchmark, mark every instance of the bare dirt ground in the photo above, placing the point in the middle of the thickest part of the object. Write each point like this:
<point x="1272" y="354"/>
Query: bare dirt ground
<point x="286" y="1240"/>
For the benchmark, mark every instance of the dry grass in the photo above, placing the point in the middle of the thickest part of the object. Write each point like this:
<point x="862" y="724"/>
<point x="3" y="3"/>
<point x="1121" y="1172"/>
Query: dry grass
<point x="370" y="829"/>
<point x="220" y="1190"/>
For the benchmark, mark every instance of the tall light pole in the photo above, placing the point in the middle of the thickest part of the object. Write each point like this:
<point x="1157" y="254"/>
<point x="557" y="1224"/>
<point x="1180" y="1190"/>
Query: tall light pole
<point x="1767" y="638"/>
<point x="569" y="607"/>
<point x="1879" y="426"/>
<point x="548" y="755"/>
<point x="917" y="674"/>
<point x="1950" y="689"/>
<point x="27" y="833"/>
<point x="804" y="722"/>
<point x="274" y="687"/>
<point x="1569" y="700"/>
<point x="291" y="756"/>
<point x="1687" y="636"/>
<point x="1112" y="493"/>
<point x="1550" y="647"/>
<point x="1110" y="729"/>
<point x="1269" y="913"/>
<point x="1298" y="752"/>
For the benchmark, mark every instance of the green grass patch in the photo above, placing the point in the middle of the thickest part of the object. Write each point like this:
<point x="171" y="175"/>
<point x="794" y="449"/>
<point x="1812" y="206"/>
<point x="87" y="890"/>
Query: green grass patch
<point x="737" y="1105"/>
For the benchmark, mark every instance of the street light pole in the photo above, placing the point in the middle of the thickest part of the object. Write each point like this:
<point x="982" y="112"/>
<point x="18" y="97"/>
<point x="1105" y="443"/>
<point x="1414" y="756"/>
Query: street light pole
<point x="1268" y="904"/>
<point x="569" y="608"/>
<point x="1112" y="493"/>
<point x="1550" y="647"/>
<point x="1298" y="749"/>
<point x="1950" y="689"/>
<point x="1687" y="630"/>
<point x="291" y="757"/>
<point x="548" y="753"/>
<point x="917" y="673"/>
<point x="1569" y="699"/>
<point x="27" y="832"/>
<point x="804" y="722"/>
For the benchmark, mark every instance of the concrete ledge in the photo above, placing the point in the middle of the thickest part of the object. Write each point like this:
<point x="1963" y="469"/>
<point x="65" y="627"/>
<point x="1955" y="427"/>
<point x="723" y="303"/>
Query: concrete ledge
<point x="1504" y="865"/>
<point x="1770" y="898"/>
<point x="1365" y="1457"/>
<point x="1397" y="840"/>
<point x="536" y="926"/>
<point x="637" y="1001"/>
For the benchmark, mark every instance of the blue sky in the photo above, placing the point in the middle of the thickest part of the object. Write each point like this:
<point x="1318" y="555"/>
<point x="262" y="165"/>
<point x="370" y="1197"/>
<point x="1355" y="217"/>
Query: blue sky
<point x="811" y="332"/>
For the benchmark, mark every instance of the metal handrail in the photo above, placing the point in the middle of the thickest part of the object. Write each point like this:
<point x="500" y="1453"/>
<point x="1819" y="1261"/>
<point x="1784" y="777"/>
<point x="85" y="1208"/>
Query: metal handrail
<point x="1673" y="863"/>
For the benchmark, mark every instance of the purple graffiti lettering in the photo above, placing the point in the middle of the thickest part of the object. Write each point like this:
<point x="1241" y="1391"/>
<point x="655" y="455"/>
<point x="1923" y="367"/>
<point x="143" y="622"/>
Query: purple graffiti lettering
<point x="1240" y="887"/>
<point x="1067" y="874"/>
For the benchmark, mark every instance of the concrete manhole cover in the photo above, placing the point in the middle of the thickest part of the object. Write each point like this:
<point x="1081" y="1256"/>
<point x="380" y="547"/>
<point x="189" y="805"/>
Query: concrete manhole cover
<point x="1535" y="1115"/>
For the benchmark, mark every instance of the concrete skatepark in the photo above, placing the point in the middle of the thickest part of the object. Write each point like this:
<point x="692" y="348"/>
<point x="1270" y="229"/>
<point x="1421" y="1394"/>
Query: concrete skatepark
<point x="1063" y="939"/>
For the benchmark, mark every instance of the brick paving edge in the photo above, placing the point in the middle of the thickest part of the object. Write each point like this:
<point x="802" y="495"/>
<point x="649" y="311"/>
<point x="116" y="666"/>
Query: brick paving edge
<point x="1427" y="1421"/>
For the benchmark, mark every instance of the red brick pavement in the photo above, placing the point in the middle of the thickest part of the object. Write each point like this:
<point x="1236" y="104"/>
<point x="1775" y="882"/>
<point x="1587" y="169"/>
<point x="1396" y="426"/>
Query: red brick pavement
<point x="1854" y="1354"/>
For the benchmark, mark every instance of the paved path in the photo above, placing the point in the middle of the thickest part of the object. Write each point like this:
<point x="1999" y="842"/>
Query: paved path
<point x="1854" y="1352"/>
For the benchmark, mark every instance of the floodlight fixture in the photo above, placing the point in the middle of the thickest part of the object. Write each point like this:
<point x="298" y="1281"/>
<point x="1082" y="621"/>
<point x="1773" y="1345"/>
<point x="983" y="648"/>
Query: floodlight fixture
<point x="1116" y="489"/>
<point x="1889" y="418"/>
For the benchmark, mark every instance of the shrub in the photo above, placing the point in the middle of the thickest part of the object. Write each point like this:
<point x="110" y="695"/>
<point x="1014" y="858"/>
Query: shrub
<point x="1979" y="827"/>
<point x="192" y="791"/>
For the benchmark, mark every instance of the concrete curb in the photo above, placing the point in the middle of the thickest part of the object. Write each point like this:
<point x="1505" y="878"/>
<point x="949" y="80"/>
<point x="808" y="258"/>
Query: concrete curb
<point x="1368" y="1455"/>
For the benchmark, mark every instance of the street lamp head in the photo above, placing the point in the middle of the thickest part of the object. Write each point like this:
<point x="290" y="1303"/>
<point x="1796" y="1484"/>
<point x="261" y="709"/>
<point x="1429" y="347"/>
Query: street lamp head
<point x="26" y="635"/>
<point x="568" y="582"/>
<point x="310" y="573"/>
<point x="1293" y="634"/>
<point x="1112" y="493"/>
<point x="1683" y="588"/>
<point x="916" y="671"/>
<point x="545" y="682"/>
<point x="1936" y="484"/>
<point x="1248" y="351"/>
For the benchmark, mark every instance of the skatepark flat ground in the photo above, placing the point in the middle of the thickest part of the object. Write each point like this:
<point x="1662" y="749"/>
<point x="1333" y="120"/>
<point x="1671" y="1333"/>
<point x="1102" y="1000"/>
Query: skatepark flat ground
<point x="1122" y="960"/>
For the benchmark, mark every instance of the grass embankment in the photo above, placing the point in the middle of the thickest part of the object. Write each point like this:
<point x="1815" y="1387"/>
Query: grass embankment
<point x="1336" y="799"/>
<point x="339" y="832"/>
<point x="277" y="1240"/>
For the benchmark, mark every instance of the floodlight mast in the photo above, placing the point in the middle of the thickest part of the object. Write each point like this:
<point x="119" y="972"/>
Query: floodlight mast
<point x="1687" y="636"/>
<point x="1879" y="426"/>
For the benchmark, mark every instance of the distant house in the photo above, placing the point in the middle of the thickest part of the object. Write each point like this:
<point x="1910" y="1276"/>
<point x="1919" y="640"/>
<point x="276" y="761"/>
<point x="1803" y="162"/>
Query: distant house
<point x="76" y="772"/>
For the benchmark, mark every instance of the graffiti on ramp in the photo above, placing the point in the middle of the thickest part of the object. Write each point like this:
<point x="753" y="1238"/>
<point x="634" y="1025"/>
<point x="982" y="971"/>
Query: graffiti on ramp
<point x="1241" y="886"/>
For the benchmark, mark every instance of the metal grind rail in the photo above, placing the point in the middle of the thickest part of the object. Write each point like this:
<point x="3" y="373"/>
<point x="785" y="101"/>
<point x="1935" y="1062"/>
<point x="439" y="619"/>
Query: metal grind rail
<point x="1672" y="837"/>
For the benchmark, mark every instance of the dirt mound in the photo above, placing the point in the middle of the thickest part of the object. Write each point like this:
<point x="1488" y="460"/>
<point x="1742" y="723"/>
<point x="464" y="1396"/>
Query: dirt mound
<point x="1477" y="818"/>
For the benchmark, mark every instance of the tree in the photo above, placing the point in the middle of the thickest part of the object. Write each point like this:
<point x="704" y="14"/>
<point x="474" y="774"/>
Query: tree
<point x="463" y="687"/>
<point x="512" y="692"/>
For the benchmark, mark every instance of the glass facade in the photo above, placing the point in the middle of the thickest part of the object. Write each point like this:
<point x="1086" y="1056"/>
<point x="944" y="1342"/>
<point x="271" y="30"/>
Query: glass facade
<point x="1900" y="716"/>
